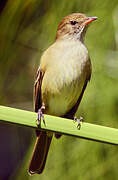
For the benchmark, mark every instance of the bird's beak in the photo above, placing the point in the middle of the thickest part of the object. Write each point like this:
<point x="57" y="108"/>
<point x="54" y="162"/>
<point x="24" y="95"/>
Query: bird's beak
<point x="89" y="19"/>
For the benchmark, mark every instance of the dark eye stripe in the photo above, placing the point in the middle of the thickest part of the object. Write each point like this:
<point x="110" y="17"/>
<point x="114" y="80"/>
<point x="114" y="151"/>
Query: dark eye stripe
<point x="73" y="22"/>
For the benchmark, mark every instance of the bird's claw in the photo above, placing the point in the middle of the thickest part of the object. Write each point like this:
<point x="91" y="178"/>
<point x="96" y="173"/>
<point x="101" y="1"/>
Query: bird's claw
<point x="40" y="115"/>
<point x="78" y="121"/>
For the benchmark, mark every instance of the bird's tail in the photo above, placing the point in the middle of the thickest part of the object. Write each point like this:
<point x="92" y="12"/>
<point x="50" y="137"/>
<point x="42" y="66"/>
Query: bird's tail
<point x="40" y="153"/>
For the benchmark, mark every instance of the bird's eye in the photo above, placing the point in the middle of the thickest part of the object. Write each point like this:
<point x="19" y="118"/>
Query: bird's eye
<point x="73" y="22"/>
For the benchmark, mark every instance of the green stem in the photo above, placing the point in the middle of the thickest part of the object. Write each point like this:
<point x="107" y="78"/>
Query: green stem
<point x="59" y="125"/>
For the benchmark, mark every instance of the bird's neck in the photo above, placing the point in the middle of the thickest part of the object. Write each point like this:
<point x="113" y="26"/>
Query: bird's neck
<point x="69" y="40"/>
<point x="77" y="35"/>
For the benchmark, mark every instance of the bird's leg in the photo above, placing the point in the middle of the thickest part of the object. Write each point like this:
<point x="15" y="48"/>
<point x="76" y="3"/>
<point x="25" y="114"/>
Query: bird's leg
<point x="78" y="120"/>
<point x="40" y="115"/>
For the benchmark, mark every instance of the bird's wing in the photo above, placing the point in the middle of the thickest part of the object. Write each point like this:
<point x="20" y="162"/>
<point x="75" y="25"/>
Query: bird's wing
<point x="70" y="114"/>
<point x="43" y="141"/>
<point x="37" y="90"/>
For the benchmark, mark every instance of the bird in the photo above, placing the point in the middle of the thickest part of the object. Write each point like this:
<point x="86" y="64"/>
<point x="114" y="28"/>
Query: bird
<point x="61" y="79"/>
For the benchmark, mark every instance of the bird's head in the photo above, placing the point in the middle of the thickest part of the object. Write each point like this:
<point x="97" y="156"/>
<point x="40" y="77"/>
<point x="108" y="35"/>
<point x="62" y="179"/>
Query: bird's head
<point x="73" y="26"/>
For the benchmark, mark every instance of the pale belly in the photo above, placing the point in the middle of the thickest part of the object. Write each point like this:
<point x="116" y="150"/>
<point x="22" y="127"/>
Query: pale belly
<point x="61" y="94"/>
<point x="61" y="103"/>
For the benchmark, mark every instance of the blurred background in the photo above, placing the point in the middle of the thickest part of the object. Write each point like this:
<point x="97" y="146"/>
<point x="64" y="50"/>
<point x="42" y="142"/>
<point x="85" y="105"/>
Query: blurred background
<point x="27" y="28"/>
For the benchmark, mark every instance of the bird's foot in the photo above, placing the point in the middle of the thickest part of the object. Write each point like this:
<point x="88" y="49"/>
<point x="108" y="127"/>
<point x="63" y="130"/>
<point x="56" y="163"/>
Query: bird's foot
<point x="78" y="120"/>
<point x="40" y="115"/>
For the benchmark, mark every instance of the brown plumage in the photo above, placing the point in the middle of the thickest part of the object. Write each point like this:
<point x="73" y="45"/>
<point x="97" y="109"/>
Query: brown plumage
<point x="62" y="77"/>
